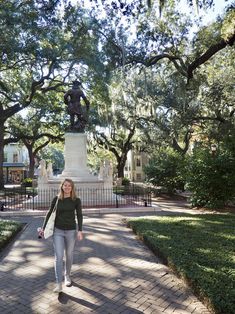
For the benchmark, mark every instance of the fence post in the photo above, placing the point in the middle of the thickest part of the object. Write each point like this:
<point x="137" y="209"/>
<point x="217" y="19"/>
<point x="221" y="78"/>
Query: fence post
<point x="33" y="198"/>
<point x="150" y="198"/>
<point x="116" y="198"/>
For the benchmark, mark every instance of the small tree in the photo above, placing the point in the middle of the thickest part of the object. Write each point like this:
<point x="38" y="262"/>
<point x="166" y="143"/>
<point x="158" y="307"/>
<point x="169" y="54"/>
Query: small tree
<point x="36" y="130"/>
<point x="164" y="169"/>
<point x="211" y="178"/>
<point x="53" y="153"/>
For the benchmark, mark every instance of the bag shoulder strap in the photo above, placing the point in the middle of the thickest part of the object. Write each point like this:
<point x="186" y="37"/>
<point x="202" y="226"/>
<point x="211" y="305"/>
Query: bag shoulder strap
<point x="56" y="203"/>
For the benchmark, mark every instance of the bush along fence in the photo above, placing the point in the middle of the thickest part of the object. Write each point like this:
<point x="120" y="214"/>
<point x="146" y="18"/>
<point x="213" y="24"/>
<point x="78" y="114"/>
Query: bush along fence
<point x="28" y="198"/>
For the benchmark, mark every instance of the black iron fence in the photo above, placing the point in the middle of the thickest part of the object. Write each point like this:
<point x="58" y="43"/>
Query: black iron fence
<point x="27" y="198"/>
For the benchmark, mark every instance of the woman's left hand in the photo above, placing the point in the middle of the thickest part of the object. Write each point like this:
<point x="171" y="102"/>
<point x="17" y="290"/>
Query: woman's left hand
<point x="79" y="235"/>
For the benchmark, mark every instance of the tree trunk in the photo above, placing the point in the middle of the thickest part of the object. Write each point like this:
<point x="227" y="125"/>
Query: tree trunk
<point x="120" y="170"/>
<point x="1" y="154"/>
<point x="31" y="162"/>
<point x="121" y="162"/>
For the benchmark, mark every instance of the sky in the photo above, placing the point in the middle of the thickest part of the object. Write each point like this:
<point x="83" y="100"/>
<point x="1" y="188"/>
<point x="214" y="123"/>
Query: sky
<point x="211" y="14"/>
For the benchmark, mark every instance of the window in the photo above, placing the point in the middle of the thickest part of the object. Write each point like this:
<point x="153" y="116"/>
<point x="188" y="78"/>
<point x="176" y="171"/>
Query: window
<point x="5" y="157"/>
<point x="15" y="157"/>
<point x="138" y="177"/>
<point x="138" y="163"/>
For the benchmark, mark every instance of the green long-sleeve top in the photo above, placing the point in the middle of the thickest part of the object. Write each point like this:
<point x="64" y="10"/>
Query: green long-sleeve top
<point x="65" y="213"/>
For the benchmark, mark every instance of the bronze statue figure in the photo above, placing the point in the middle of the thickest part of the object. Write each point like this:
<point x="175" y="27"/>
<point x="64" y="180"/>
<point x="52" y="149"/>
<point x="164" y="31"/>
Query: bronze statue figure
<point x="78" y="114"/>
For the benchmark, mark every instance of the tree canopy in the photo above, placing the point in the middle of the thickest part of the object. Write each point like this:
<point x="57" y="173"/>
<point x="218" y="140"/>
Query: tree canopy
<point x="151" y="72"/>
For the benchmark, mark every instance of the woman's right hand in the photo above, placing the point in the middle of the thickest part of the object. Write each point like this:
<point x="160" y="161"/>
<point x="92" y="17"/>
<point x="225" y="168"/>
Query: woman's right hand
<point x="79" y="236"/>
<point x="40" y="233"/>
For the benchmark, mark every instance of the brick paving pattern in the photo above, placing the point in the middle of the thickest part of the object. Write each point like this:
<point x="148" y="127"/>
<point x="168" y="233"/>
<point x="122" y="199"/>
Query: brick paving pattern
<point x="113" y="272"/>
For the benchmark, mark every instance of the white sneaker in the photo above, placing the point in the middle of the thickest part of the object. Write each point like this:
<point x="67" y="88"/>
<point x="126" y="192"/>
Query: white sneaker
<point x="67" y="281"/>
<point x="58" y="288"/>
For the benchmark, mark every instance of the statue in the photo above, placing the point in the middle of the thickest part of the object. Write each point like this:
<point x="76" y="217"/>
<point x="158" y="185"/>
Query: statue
<point x="106" y="171"/>
<point x="75" y="109"/>
<point x="49" y="170"/>
<point x="42" y="175"/>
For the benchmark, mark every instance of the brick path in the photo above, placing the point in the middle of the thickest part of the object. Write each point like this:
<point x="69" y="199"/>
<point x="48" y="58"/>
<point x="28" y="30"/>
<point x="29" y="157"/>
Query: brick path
<point x="113" y="273"/>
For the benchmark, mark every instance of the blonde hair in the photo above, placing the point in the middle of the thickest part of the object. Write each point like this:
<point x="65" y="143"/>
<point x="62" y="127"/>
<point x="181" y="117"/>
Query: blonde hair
<point x="73" y="192"/>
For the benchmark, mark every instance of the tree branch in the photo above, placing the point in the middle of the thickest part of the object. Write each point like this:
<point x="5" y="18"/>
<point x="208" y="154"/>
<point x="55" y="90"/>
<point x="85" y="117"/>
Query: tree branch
<point x="40" y="147"/>
<point x="9" y="140"/>
<point x="37" y="84"/>
<point x="7" y="97"/>
<point x="14" y="64"/>
<point x="208" y="54"/>
<point x="153" y="60"/>
<point x="187" y="71"/>
<point x="11" y="111"/>
<point x="203" y="118"/>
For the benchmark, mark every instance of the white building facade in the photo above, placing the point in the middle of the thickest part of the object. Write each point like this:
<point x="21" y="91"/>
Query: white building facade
<point x="15" y="165"/>
<point x="134" y="168"/>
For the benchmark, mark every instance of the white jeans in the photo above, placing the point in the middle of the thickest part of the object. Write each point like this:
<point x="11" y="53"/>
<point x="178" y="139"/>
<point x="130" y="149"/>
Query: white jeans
<point x="63" y="241"/>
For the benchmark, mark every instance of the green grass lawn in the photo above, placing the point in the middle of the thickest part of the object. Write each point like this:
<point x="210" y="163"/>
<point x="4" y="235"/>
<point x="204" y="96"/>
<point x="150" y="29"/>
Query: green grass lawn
<point x="200" y="248"/>
<point x="8" y="229"/>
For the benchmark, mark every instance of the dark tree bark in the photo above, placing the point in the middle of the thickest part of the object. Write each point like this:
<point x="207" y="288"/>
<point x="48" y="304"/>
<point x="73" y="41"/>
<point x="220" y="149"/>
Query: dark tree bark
<point x="1" y="154"/>
<point x="180" y="65"/>
<point x="115" y="147"/>
<point x="212" y="50"/>
<point x="10" y="111"/>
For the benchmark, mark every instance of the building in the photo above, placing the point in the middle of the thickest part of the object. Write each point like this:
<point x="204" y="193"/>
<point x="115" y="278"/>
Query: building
<point x="134" y="168"/>
<point x="15" y="165"/>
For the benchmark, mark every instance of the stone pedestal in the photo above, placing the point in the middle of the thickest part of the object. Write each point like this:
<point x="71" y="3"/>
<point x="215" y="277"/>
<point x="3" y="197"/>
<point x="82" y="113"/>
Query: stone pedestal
<point x="75" y="156"/>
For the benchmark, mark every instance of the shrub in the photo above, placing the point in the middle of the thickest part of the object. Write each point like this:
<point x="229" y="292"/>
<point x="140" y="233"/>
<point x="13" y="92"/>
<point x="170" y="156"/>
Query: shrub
<point x="7" y="230"/>
<point x="27" y="182"/>
<point x="210" y="178"/>
<point x="125" y="181"/>
<point x="165" y="169"/>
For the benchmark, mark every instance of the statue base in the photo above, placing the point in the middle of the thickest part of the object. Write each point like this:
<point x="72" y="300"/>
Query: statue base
<point x="92" y="190"/>
<point x="76" y="158"/>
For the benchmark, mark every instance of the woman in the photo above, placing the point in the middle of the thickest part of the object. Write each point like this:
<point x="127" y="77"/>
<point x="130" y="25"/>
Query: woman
<point x="65" y="232"/>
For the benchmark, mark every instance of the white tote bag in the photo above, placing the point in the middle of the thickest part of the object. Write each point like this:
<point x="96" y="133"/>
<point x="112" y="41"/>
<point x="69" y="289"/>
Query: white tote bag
<point x="49" y="229"/>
